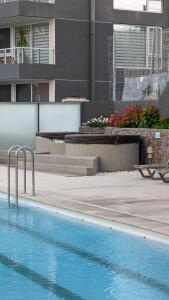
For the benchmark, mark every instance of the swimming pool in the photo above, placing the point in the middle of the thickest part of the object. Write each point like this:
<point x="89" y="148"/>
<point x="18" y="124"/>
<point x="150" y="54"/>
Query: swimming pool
<point x="44" y="256"/>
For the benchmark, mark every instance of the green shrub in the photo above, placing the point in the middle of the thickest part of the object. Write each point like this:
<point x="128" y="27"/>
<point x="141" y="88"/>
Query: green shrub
<point x="149" y="117"/>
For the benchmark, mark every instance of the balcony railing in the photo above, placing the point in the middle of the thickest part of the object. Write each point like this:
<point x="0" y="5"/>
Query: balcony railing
<point x="38" y="1"/>
<point x="27" y="55"/>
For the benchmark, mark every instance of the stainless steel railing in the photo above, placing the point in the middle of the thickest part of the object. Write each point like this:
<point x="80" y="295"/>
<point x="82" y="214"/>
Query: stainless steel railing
<point x="38" y="1"/>
<point x="27" y="55"/>
<point x="24" y="150"/>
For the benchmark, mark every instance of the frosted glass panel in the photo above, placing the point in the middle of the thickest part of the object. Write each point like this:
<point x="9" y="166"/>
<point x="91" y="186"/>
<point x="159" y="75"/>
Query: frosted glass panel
<point x="19" y="121"/>
<point x="59" y="117"/>
<point x="18" y="124"/>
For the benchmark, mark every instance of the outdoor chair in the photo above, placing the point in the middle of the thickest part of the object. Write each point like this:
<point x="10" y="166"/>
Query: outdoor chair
<point x="162" y="173"/>
<point x="151" y="170"/>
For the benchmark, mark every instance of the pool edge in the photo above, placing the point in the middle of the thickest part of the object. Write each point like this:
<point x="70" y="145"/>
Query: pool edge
<point x="112" y="224"/>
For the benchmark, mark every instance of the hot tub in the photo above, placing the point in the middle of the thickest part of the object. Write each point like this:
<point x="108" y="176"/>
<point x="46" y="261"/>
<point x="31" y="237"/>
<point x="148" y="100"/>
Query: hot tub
<point x="116" y="152"/>
<point x="51" y="142"/>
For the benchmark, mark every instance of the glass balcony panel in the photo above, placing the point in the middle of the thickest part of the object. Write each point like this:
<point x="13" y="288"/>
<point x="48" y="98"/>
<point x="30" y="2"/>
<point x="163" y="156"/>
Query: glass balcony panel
<point x="38" y="1"/>
<point x="26" y="55"/>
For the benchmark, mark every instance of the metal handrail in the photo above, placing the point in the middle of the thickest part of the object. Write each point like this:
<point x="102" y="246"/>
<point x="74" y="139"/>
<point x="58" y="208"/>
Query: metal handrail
<point x="21" y="149"/>
<point x="28" y="55"/>
<point x="24" y="150"/>
<point x="27" y="48"/>
<point x="9" y="171"/>
<point x="38" y="1"/>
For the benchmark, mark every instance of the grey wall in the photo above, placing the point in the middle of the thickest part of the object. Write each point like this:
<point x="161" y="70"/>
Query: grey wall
<point x="96" y="109"/>
<point x="119" y="106"/>
<point x="137" y="18"/>
<point x="104" y="49"/>
<point x="72" y="50"/>
<point x="71" y="88"/>
<point x="164" y="103"/>
<point x="73" y="40"/>
<point x="72" y="9"/>
<point x="104" y="11"/>
<point x="72" y="58"/>
<point x="11" y="72"/>
<point x="26" y="9"/>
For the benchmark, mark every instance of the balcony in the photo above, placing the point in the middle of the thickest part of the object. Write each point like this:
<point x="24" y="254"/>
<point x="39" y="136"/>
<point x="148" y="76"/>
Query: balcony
<point x="37" y="1"/>
<point x="25" y="63"/>
<point x="27" y="55"/>
<point x="19" y="11"/>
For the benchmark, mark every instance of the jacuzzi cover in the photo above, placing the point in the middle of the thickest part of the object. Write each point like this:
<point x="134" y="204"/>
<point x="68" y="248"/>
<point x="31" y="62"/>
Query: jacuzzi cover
<point x="101" y="139"/>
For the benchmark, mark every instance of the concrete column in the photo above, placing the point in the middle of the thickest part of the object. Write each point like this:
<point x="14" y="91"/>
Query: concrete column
<point x="52" y="91"/>
<point x="93" y="50"/>
<point x="52" y="41"/>
<point x="13" y="92"/>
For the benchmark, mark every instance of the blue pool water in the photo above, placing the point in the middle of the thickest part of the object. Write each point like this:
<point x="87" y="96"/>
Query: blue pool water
<point x="44" y="256"/>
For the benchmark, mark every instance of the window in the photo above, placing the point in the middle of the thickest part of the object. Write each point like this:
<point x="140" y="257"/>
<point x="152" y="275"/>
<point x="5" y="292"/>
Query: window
<point x="140" y="54"/>
<point x="40" y="92"/>
<point x="139" y="5"/>
<point x="5" y="93"/>
<point x="37" y="38"/>
<point x="130" y="46"/>
<point x="138" y="47"/>
<point x="33" y="92"/>
<point x="23" y="93"/>
<point x="4" y="38"/>
<point x="40" y="39"/>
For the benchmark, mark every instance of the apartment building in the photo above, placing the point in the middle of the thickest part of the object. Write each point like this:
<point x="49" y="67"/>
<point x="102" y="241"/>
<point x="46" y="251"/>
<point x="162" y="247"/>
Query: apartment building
<point x="111" y="52"/>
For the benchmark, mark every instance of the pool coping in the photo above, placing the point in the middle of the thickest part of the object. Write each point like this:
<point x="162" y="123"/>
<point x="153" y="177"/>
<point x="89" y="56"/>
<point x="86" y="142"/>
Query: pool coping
<point x="44" y="202"/>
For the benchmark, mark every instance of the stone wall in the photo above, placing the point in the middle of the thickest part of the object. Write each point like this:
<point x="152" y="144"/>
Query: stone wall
<point x="91" y="130"/>
<point x="160" y="146"/>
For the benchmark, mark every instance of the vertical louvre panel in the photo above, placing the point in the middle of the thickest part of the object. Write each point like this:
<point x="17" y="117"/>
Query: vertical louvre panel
<point x="40" y="39"/>
<point x="130" y="47"/>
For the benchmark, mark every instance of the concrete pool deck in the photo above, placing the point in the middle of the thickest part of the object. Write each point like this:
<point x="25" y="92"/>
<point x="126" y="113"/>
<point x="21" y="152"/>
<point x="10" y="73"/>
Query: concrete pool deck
<point x="121" y="198"/>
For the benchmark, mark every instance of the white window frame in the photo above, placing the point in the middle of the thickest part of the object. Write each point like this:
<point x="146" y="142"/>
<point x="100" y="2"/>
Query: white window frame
<point x="148" y="50"/>
<point x="148" y="53"/>
<point x="147" y="10"/>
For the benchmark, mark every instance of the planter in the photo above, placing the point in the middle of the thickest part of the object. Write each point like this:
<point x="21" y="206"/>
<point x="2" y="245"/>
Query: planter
<point x="84" y="129"/>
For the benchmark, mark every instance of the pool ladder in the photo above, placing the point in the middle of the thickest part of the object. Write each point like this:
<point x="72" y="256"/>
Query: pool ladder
<point x="24" y="150"/>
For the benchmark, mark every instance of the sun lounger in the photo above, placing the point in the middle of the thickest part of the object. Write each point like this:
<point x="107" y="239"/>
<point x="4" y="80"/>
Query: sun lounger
<point x="151" y="170"/>
<point x="162" y="173"/>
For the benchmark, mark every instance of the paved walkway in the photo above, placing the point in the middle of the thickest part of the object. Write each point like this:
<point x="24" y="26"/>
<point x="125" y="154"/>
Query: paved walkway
<point x="125" y="198"/>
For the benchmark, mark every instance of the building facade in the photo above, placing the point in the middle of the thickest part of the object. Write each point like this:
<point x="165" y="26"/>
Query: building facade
<point x="111" y="52"/>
